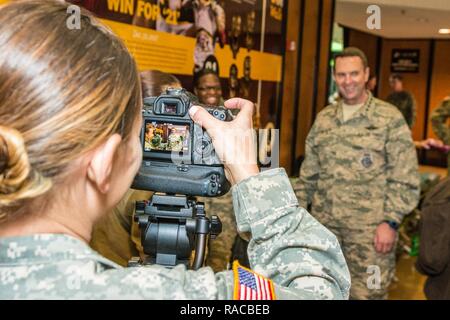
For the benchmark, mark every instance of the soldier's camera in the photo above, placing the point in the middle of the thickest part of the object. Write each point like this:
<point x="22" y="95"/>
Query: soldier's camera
<point x="180" y="163"/>
<point x="179" y="157"/>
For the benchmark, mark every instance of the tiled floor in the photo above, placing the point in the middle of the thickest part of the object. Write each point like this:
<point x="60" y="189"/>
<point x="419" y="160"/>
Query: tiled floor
<point x="441" y="171"/>
<point x="409" y="283"/>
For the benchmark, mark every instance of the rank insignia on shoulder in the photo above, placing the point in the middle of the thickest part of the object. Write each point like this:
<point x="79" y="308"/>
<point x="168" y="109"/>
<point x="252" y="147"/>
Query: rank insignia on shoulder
<point x="248" y="285"/>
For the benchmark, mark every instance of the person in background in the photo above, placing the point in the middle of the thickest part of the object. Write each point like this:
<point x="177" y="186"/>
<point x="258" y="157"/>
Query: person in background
<point x="207" y="88"/>
<point x="372" y="84"/>
<point x="402" y="99"/>
<point x="434" y="235"/>
<point x="431" y="143"/>
<point x="439" y="121"/>
<point x="360" y="176"/>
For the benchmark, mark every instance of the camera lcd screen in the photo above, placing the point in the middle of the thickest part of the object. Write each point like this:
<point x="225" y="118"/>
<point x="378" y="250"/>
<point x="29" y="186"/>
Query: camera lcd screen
<point x="166" y="137"/>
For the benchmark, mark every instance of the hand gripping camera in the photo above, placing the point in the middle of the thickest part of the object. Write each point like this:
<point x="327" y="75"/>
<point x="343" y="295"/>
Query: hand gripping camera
<point x="180" y="162"/>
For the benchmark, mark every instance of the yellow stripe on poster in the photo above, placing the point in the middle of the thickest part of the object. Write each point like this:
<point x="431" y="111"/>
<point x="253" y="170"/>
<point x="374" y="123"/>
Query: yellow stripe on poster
<point x="175" y="54"/>
<point x="156" y="50"/>
<point x="264" y="66"/>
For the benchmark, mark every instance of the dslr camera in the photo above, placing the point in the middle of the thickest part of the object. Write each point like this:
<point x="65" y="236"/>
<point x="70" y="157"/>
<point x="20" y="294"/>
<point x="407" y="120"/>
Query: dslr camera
<point x="179" y="163"/>
<point x="178" y="154"/>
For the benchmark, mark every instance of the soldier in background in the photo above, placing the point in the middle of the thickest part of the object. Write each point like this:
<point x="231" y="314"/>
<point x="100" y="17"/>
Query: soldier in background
<point x="360" y="176"/>
<point x="372" y="84"/>
<point x="439" y="121"/>
<point x="402" y="99"/>
<point x="69" y="155"/>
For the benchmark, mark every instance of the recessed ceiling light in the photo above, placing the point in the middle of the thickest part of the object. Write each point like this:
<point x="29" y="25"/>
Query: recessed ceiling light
<point x="444" y="31"/>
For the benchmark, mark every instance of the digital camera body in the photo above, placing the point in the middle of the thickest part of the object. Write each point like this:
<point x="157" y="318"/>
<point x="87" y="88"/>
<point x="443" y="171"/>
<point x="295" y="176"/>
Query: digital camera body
<point x="178" y="155"/>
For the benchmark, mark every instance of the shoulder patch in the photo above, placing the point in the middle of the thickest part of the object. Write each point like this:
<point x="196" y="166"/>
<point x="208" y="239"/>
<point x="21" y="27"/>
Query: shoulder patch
<point x="248" y="285"/>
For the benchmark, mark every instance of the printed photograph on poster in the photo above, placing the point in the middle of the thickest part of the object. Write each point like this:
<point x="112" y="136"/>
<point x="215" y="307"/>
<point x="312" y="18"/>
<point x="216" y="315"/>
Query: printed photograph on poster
<point x="240" y="41"/>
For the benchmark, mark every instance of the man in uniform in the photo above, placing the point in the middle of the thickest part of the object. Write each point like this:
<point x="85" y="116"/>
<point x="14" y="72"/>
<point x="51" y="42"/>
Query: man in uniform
<point x="402" y="99"/>
<point x="439" y="119"/>
<point x="360" y="175"/>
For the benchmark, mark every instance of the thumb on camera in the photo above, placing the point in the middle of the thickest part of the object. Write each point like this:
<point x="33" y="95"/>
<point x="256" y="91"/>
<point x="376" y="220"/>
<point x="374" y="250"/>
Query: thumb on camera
<point x="203" y="118"/>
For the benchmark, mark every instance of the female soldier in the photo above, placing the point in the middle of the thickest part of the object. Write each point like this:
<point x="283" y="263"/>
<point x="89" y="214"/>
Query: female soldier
<point x="69" y="149"/>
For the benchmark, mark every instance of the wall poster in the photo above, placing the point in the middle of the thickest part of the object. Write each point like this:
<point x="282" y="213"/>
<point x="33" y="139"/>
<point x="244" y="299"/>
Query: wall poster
<point x="240" y="40"/>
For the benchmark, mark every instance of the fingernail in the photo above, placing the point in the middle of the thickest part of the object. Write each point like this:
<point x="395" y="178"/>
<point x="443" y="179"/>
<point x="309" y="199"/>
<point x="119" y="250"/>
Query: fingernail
<point x="193" y="110"/>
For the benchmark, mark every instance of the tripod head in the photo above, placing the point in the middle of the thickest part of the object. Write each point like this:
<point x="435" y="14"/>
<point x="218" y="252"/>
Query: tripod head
<point x="171" y="227"/>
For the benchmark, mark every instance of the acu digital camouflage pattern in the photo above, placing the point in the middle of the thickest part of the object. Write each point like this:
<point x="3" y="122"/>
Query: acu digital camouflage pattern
<point x="220" y="249"/>
<point x="439" y="120"/>
<point x="355" y="175"/>
<point x="303" y="258"/>
<point x="364" y="263"/>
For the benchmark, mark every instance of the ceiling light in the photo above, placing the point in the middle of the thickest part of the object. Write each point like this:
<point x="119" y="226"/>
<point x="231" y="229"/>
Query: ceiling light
<point x="444" y="31"/>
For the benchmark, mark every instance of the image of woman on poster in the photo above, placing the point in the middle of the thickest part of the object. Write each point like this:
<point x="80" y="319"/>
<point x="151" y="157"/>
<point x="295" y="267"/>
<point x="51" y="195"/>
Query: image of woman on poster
<point x="245" y="80"/>
<point x="209" y="19"/>
<point x="233" y="82"/>
<point x="234" y="34"/>
<point x="204" y="48"/>
<point x="249" y="30"/>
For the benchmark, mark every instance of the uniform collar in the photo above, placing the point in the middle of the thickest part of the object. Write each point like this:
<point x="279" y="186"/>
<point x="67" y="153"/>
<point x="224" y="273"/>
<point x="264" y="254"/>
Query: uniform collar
<point x="364" y="112"/>
<point x="40" y="248"/>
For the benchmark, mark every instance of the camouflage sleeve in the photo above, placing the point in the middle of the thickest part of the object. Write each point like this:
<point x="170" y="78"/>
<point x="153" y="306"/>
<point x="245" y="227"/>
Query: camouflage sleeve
<point x="220" y="248"/>
<point x="306" y="185"/>
<point x="439" y="121"/>
<point x="302" y="257"/>
<point x="402" y="172"/>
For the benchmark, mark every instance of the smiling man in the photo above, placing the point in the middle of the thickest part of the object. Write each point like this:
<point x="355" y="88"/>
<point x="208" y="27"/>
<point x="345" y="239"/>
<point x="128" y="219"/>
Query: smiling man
<point x="207" y="88"/>
<point x="360" y="176"/>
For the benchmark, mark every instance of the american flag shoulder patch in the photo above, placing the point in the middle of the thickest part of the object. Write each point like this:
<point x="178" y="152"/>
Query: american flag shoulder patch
<point x="248" y="285"/>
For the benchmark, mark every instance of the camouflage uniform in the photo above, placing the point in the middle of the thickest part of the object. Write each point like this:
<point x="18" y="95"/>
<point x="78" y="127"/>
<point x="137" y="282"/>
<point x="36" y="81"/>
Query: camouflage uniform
<point x="355" y="175"/>
<point x="406" y="104"/>
<point x="439" y="119"/>
<point x="290" y="247"/>
<point x="219" y="249"/>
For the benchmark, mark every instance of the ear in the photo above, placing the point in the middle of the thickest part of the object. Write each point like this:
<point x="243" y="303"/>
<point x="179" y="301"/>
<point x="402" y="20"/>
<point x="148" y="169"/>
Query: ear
<point x="195" y="91"/>
<point x="101" y="163"/>
<point x="366" y="76"/>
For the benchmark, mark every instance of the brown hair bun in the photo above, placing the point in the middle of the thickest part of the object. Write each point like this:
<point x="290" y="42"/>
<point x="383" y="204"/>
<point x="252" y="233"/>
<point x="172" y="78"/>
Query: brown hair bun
<point x="17" y="180"/>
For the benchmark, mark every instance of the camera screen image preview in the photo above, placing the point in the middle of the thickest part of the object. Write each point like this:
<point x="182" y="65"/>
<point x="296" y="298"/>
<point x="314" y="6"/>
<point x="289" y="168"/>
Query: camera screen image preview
<point x="166" y="137"/>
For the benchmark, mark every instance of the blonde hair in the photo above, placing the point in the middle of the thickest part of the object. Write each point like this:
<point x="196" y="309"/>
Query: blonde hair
<point x="62" y="93"/>
<point x="155" y="82"/>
